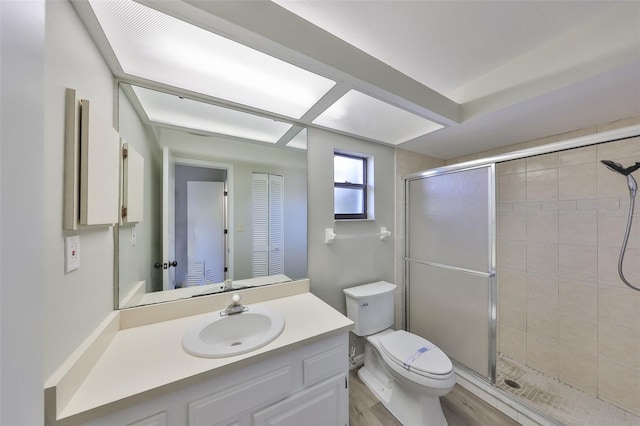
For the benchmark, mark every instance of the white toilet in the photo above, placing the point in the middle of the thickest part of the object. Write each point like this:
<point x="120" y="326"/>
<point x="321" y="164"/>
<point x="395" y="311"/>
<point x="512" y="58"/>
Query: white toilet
<point x="407" y="373"/>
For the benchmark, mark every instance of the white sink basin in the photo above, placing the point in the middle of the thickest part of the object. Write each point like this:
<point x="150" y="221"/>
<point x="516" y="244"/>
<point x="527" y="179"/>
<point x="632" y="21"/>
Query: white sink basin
<point x="219" y="336"/>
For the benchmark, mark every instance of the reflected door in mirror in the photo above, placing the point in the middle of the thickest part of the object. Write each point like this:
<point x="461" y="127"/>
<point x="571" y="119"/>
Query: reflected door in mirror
<point x="268" y="224"/>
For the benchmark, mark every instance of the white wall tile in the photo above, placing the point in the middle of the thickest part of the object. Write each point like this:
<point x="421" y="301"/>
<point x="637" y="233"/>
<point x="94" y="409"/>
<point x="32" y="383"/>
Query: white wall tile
<point x="512" y="283"/>
<point x="542" y="354"/>
<point x="619" y="306"/>
<point x="512" y="298"/>
<point x="584" y="155"/>
<point x="542" y="322"/>
<point x="559" y="205"/>
<point x="513" y="343"/>
<point x="542" y="226"/>
<point x="578" y="227"/>
<point x="619" y="344"/>
<point x="580" y="333"/>
<point x="611" y="227"/>
<point x="512" y="188"/>
<point x="542" y="258"/>
<point x="542" y="290"/>
<point x="512" y="225"/>
<point x="528" y="206"/>
<point x="511" y="167"/>
<point x="578" y="262"/>
<point x="578" y="182"/>
<point x="608" y="258"/>
<point x="512" y="254"/>
<point x="619" y="384"/>
<point x="541" y="162"/>
<point x="578" y="298"/>
<point x="542" y="185"/>
<point x="578" y="368"/>
<point x="619" y="150"/>
<point x="598" y="204"/>
<point x="611" y="184"/>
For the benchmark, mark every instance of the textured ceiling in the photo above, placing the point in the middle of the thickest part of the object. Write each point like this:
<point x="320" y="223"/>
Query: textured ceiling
<point x="445" y="44"/>
<point x="519" y="69"/>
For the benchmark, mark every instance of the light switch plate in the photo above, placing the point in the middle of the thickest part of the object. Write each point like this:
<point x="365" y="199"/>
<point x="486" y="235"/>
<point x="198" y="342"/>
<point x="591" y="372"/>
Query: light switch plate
<point x="134" y="237"/>
<point x="71" y="253"/>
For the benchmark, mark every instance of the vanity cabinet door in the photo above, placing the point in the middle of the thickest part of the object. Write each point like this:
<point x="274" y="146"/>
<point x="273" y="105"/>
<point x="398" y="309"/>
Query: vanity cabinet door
<point x="225" y="406"/>
<point x="323" y="404"/>
<point x="159" y="419"/>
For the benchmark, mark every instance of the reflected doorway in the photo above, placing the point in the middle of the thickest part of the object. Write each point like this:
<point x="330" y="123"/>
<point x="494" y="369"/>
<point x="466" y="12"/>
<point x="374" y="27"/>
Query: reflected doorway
<point x="200" y="225"/>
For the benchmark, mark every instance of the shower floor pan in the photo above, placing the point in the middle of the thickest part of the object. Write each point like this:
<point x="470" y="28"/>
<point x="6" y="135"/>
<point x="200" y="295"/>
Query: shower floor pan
<point x="558" y="400"/>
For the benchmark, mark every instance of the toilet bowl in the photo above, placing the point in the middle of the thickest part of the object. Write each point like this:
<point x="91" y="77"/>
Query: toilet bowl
<point x="406" y="372"/>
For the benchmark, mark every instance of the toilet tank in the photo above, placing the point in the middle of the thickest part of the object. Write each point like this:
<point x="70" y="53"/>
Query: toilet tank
<point x="370" y="307"/>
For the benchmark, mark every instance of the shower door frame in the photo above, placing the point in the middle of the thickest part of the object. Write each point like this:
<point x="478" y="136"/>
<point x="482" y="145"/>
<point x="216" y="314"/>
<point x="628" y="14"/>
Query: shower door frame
<point x="490" y="275"/>
<point x="596" y="138"/>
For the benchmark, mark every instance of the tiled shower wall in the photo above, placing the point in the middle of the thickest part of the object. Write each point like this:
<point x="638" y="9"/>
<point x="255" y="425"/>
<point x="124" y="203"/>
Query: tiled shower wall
<point x="407" y="162"/>
<point x="562" y="308"/>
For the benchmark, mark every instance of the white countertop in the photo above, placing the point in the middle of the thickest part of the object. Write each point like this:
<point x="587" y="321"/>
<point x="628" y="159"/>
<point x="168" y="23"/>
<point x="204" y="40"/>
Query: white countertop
<point x="142" y="360"/>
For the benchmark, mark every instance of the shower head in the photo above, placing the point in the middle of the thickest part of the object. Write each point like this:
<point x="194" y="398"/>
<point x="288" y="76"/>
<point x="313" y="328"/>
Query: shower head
<point x="617" y="167"/>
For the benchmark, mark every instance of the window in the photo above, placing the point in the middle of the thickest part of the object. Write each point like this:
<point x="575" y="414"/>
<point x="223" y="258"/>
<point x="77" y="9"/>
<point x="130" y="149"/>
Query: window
<point x="350" y="186"/>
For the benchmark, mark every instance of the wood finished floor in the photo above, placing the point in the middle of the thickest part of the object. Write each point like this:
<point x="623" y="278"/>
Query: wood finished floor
<point x="460" y="407"/>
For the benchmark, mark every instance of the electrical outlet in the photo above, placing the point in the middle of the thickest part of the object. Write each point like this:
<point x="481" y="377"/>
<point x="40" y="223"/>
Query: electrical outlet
<point x="71" y="253"/>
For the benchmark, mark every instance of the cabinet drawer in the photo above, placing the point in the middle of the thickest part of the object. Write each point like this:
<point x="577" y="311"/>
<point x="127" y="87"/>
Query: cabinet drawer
<point x="318" y="367"/>
<point x="320" y="405"/>
<point x="221" y="406"/>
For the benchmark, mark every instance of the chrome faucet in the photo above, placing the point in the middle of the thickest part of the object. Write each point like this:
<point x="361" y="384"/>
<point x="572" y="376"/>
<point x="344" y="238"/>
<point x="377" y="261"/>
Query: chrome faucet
<point x="235" y="307"/>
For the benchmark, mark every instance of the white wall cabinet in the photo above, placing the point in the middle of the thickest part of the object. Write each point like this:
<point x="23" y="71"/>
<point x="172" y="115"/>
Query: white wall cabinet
<point x="306" y="386"/>
<point x="91" y="165"/>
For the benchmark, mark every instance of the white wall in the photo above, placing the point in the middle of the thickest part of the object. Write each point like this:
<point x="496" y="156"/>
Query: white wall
<point x="75" y="303"/>
<point x="346" y="263"/>
<point x="22" y="39"/>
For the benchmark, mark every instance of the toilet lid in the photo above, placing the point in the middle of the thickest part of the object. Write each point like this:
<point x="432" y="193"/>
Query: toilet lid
<point x="415" y="353"/>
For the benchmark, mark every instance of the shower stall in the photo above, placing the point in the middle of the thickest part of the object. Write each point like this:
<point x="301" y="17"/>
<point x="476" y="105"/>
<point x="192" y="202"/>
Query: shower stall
<point x="517" y="267"/>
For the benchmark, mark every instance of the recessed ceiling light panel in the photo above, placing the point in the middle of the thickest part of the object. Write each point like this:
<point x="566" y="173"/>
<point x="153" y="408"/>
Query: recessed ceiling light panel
<point x="299" y="141"/>
<point x="172" y="110"/>
<point x="362" y="115"/>
<point x="159" y="47"/>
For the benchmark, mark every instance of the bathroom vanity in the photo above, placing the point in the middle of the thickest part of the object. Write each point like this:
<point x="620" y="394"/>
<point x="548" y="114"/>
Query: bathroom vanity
<point x="134" y="371"/>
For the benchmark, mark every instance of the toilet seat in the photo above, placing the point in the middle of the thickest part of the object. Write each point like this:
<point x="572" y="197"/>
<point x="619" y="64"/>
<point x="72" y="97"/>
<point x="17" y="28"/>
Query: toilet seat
<point x="414" y="354"/>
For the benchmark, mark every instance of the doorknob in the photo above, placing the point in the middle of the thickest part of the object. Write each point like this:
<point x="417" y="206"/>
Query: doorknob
<point x="166" y="265"/>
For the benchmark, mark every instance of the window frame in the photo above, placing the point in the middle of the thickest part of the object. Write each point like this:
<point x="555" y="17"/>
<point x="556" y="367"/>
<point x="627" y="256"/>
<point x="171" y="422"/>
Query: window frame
<point x="360" y="186"/>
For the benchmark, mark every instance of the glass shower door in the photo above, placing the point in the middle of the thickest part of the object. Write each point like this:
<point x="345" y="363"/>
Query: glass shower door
<point x="450" y="264"/>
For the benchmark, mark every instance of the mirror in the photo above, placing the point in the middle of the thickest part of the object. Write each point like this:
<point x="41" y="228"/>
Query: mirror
<point x="179" y="248"/>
